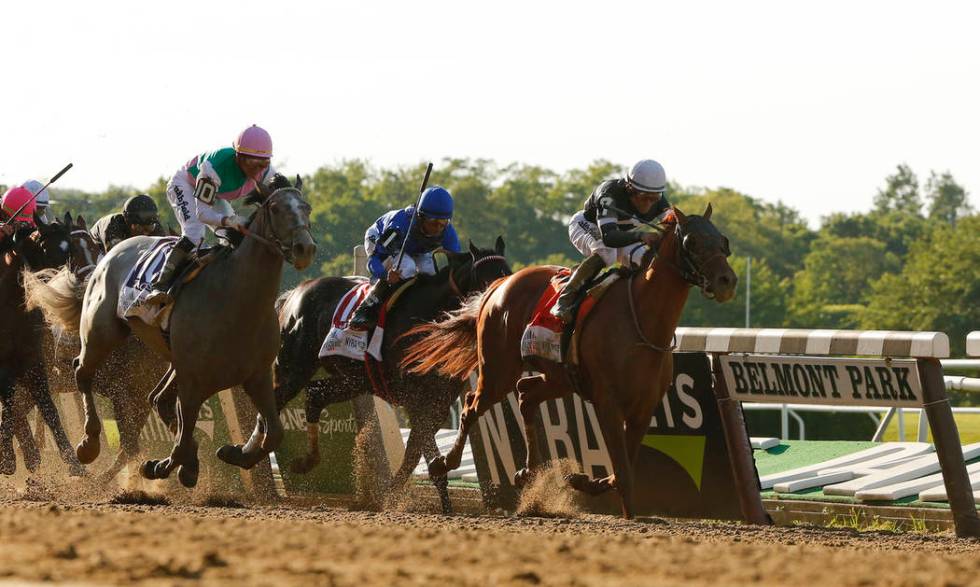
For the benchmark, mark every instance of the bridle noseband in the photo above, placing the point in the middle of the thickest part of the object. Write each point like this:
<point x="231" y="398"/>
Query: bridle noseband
<point x="285" y="250"/>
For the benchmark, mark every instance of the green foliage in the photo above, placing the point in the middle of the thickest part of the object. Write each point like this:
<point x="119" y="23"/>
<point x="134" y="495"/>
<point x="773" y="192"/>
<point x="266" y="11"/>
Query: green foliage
<point x="947" y="199"/>
<point x="937" y="289"/>
<point x="901" y="192"/>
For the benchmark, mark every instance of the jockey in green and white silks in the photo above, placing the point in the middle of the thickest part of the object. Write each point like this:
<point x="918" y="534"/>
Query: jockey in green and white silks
<point x="200" y="193"/>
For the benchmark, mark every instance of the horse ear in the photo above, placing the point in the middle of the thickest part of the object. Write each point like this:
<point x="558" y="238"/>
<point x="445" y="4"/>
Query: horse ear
<point x="707" y="212"/>
<point x="474" y="250"/>
<point x="80" y="222"/>
<point x="299" y="182"/>
<point x="681" y="219"/>
<point x="67" y="219"/>
<point x="499" y="245"/>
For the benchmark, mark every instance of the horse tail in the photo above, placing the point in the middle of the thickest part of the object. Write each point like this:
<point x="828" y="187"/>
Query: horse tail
<point x="58" y="293"/>
<point x="448" y="347"/>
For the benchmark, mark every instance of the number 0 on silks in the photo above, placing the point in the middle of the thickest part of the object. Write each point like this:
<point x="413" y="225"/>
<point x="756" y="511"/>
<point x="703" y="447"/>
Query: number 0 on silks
<point x="205" y="190"/>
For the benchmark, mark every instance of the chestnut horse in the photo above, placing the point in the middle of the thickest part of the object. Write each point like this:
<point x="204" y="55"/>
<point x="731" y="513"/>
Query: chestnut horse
<point x="624" y="364"/>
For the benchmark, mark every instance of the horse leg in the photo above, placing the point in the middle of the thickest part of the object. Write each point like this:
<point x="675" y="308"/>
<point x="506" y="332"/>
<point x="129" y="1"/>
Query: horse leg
<point x="430" y="450"/>
<point x="36" y="381"/>
<point x="492" y="385"/>
<point x="164" y="399"/>
<point x="130" y="418"/>
<point x="105" y="333"/>
<point x="315" y="402"/>
<point x="184" y="453"/>
<point x="268" y="428"/>
<point x="8" y="460"/>
<point x="611" y="422"/>
<point x="532" y="391"/>
<point x="22" y="431"/>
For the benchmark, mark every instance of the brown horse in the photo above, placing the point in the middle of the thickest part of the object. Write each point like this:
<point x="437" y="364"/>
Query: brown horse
<point x="21" y="337"/>
<point x="130" y="371"/>
<point x="624" y="363"/>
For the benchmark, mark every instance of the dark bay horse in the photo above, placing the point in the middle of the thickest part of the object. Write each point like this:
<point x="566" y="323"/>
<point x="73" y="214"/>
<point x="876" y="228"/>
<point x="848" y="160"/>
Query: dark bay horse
<point x="21" y="344"/>
<point x="223" y="329"/>
<point x="131" y="370"/>
<point x="305" y="319"/>
<point x="625" y="362"/>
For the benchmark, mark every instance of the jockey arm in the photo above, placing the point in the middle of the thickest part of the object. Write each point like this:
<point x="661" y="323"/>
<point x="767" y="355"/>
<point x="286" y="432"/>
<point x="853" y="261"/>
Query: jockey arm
<point x="213" y="214"/>
<point x="383" y="239"/>
<point x="450" y="240"/>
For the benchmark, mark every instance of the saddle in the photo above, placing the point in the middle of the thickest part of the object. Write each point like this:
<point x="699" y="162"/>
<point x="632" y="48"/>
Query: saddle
<point x="547" y="337"/>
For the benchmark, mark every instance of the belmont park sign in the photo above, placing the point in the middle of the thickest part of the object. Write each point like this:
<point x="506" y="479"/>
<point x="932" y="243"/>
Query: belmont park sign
<point x="798" y="379"/>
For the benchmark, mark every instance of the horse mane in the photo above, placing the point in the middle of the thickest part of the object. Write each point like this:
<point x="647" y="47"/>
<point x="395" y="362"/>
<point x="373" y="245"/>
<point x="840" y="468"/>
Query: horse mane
<point x="259" y="195"/>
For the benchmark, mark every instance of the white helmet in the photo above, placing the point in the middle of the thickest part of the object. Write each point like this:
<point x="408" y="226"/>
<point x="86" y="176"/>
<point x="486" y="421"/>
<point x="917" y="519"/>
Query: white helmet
<point x="44" y="199"/>
<point x="648" y="176"/>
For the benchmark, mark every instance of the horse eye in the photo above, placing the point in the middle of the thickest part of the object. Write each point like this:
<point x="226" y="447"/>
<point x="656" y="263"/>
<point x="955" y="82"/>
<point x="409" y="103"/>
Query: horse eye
<point x="690" y="242"/>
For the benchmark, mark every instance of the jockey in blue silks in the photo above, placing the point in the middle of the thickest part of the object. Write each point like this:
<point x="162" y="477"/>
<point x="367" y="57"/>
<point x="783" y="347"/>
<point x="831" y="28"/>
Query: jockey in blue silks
<point x="383" y="241"/>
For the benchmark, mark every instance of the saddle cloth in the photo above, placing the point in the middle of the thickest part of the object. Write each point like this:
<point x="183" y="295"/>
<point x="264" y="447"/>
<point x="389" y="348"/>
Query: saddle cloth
<point x="137" y="286"/>
<point x="544" y="335"/>
<point x="352" y="343"/>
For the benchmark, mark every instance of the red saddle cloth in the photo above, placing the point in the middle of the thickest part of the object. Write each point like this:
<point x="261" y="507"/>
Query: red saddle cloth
<point x="542" y="336"/>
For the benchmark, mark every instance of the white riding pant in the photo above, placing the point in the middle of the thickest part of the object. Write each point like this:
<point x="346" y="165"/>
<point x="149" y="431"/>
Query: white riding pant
<point x="411" y="265"/>
<point x="585" y="236"/>
<point x="189" y="210"/>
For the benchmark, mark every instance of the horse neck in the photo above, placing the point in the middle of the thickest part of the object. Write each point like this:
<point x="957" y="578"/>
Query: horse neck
<point x="661" y="294"/>
<point x="255" y="266"/>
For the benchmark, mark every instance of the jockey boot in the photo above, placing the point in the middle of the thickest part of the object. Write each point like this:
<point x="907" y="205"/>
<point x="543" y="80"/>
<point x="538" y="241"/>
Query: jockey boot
<point x="366" y="315"/>
<point x="583" y="273"/>
<point x="176" y="258"/>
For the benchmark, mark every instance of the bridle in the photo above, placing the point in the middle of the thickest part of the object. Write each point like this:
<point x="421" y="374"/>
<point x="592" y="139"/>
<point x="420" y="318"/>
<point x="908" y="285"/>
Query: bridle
<point x="690" y="271"/>
<point x="81" y="272"/>
<point x="273" y="242"/>
<point x="474" y="263"/>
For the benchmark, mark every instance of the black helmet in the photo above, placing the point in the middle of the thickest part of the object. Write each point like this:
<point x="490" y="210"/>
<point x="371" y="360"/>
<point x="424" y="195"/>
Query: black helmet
<point x="140" y="209"/>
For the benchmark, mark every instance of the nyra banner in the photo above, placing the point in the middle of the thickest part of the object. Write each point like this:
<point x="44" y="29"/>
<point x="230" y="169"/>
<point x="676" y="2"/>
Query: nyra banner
<point x="813" y="380"/>
<point x="683" y="465"/>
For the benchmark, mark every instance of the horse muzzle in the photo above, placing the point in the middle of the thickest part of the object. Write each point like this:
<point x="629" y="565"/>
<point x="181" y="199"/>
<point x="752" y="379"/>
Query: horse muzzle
<point x="303" y="251"/>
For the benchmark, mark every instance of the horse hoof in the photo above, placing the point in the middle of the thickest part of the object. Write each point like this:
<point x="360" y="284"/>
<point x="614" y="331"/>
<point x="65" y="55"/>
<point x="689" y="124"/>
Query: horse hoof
<point x="438" y="467"/>
<point x="148" y="469"/>
<point x="187" y="474"/>
<point x="579" y="481"/>
<point x="232" y="454"/>
<point x="88" y="450"/>
<point x="522" y="477"/>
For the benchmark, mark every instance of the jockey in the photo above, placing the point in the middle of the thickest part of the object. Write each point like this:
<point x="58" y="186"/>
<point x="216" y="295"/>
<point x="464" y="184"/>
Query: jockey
<point x="605" y="231"/>
<point x="12" y="200"/>
<point x="383" y="241"/>
<point x="43" y="199"/>
<point x="138" y="218"/>
<point x="200" y="191"/>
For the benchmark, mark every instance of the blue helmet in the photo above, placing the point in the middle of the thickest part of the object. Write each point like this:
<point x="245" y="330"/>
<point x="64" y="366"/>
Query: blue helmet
<point x="436" y="202"/>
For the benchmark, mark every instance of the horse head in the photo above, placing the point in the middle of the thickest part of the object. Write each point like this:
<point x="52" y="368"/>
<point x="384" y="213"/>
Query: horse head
<point x="283" y="220"/>
<point x="701" y="254"/>
<point x="46" y="246"/>
<point x="85" y="253"/>
<point x="474" y="270"/>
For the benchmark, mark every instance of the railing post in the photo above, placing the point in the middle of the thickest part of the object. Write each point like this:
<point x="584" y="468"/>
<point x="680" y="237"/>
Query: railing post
<point x="935" y="403"/>
<point x="739" y="449"/>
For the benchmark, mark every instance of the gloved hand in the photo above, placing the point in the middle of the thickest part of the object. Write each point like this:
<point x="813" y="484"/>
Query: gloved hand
<point x="235" y="222"/>
<point x="651" y="239"/>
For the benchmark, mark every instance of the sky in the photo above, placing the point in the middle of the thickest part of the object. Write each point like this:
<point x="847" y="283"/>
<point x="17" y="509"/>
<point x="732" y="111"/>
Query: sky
<point x="809" y="104"/>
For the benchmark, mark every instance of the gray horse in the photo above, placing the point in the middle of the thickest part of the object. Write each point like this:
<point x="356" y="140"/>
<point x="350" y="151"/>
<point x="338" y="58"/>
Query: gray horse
<point x="223" y="331"/>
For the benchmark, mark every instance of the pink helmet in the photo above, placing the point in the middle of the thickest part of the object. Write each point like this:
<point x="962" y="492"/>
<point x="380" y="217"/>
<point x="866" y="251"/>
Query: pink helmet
<point x="254" y="142"/>
<point x="17" y="197"/>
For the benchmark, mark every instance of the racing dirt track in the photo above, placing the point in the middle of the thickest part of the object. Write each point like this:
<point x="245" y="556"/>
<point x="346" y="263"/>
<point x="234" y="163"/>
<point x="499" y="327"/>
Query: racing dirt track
<point x="97" y="543"/>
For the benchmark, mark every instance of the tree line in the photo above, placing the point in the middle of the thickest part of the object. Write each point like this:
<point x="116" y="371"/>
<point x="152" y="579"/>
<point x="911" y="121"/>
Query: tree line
<point x="910" y="263"/>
